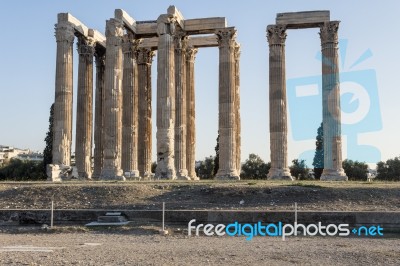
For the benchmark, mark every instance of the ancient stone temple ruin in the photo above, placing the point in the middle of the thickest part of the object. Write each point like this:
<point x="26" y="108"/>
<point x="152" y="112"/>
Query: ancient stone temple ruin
<point x="122" y="120"/>
<point x="330" y="92"/>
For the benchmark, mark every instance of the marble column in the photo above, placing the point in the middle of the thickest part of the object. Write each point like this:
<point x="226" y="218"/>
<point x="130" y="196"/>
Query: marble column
<point x="144" y="61"/>
<point x="165" y="98"/>
<point x="277" y="104"/>
<point x="62" y="128"/>
<point x="112" y="131"/>
<point x="130" y="109"/>
<point x="227" y="142"/>
<point x="180" y="97"/>
<point x="333" y="170"/>
<point x="237" y="109"/>
<point x="191" y="113"/>
<point x="84" y="112"/>
<point x="98" y="113"/>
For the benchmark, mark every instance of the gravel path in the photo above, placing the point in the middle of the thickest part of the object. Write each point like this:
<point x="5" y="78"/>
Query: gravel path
<point x="144" y="248"/>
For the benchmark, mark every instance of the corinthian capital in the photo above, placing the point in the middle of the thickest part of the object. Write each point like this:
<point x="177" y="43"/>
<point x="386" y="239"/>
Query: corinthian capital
<point x="86" y="46"/>
<point x="226" y="37"/>
<point x="64" y="33"/>
<point x="276" y="34"/>
<point x="144" y="56"/>
<point x="130" y="44"/>
<point x="180" y="41"/>
<point x="329" y="32"/>
<point x="191" y="53"/>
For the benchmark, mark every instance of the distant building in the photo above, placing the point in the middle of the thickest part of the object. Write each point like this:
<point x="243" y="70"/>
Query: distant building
<point x="9" y="152"/>
<point x="37" y="157"/>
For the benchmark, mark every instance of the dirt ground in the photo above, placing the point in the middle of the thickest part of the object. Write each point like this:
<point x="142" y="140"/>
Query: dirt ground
<point x="147" y="247"/>
<point x="257" y="195"/>
<point x="142" y="245"/>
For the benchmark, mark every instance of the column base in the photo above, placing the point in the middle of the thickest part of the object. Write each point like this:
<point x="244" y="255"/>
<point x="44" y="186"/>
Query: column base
<point x="280" y="174"/>
<point x="183" y="175"/>
<point x="227" y="175"/>
<point x="58" y="173"/>
<point x="84" y="176"/>
<point x="111" y="174"/>
<point x="334" y="175"/>
<point x="195" y="178"/>
<point x="132" y="175"/>
<point x="165" y="171"/>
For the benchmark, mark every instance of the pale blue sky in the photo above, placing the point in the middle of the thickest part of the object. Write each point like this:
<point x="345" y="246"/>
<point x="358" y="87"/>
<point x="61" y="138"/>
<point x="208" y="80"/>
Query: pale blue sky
<point x="28" y="49"/>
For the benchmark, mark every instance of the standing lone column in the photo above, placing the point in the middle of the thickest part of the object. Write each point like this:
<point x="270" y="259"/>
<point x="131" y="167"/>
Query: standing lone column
<point x="144" y="61"/>
<point x="277" y="104"/>
<point x="84" y="114"/>
<point x="165" y="98"/>
<point x="112" y="132"/>
<point x="98" y="116"/>
<point x="181" y="114"/>
<point x="237" y="109"/>
<point x="227" y="142"/>
<point x="333" y="170"/>
<point x="130" y="109"/>
<point x="191" y="113"/>
<point x="62" y="138"/>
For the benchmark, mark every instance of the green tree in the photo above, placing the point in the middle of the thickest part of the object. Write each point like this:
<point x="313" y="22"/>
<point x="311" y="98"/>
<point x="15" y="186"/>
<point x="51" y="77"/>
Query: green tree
<point x="254" y="168"/>
<point x="216" y="158"/>
<point x="299" y="169"/>
<point x="205" y="169"/>
<point x="153" y="167"/>
<point x="48" y="150"/>
<point x="318" y="161"/>
<point x="355" y="170"/>
<point x="389" y="170"/>
<point x="18" y="170"/>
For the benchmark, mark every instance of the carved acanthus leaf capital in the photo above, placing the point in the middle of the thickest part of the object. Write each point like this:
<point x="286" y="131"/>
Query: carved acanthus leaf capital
<point x="64" y="33"/>
<point x="180" y="41"/>
<point x="86" y="46"/>
<point x="329" y="32"/>
<point x="130" y="44"/>
<point x="226" y="37"/>
<point x="144" y="56"/>
<point x="191" y="53"/>
<point x="276" y="34"/>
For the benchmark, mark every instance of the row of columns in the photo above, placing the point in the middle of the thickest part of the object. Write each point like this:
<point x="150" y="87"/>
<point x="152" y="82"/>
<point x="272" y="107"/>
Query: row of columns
<point x="122" y="120"/>
<point x="176" y="110"/>
<point x="112" y="128"/>
<point x="330" y="103"/>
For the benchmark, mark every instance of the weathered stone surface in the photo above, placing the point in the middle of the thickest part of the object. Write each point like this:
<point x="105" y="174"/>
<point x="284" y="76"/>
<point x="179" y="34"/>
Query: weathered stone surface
<point x="112" y="132"/>
<point x="84" y="114"/>
<point x="204" y="25"/>
<point x="181" y="113"/>
<point x="165" y="99"/>
<point x="333" y="170"/>
<point x="305" y="19"/>
<point x="57" y="173"/>
<point x="99" y="113"/>
<point x="227" y="142"/>
<point x="191" y="113"/>
<point x="238" y="139"/>
<point x="62" y="138"/>
<point x="144" y="61"/>
<point x="277" y="104"/>
<point x="130" y="108"/>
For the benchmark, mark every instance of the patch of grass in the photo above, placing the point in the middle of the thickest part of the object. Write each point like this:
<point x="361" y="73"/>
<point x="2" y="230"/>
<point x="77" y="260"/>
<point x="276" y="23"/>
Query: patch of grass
<point x="252" y="183"/>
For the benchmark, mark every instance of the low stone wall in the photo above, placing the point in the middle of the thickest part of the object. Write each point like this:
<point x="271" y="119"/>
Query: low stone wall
<point x="388" y="220"/>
